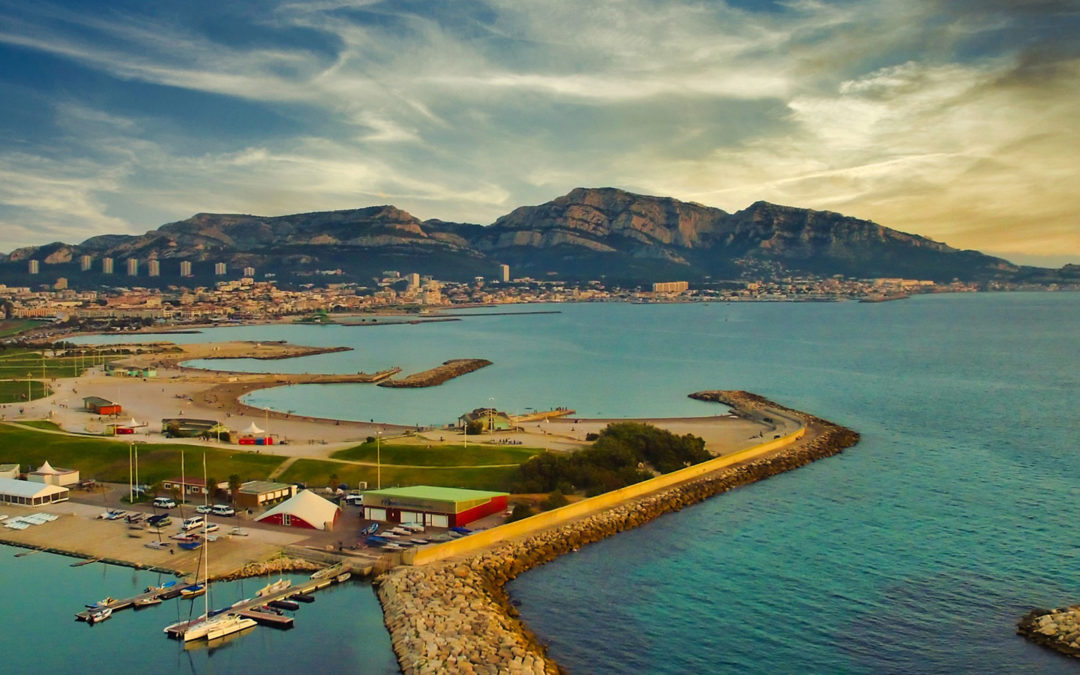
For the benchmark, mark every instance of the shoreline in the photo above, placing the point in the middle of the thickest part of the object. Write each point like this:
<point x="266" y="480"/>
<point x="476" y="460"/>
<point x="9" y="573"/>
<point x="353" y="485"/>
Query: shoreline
<point x="433" y="611"/>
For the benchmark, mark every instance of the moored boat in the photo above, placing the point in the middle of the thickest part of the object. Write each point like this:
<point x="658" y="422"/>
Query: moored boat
<point x="192" y="591"/>
<point x="99" y="614"/>
<point x="227" y="626"/>
<point x="275" y="587"/>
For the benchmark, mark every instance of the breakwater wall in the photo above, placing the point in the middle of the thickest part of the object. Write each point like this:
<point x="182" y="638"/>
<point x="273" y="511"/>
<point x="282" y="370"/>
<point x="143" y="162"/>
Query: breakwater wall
<point x="1058" y="629"/>
<point x="451" y="613"/>
<point x="437" y="375"/>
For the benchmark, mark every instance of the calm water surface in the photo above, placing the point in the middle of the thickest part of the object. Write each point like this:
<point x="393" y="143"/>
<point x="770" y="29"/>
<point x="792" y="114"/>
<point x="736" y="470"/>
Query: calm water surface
<point x="917" y="550"/>
<point x="341" y="632"/>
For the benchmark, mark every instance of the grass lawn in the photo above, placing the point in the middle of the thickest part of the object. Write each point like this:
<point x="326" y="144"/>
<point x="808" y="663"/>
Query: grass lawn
<point x="13" y="391"/>
<point x="441" y="455"/>
<point x="9" y="327"/>
<point x="41" y="424"/>
<point x="16" y="363"/>
<point x="108" y="460"/>
<point x="316" y="473"/>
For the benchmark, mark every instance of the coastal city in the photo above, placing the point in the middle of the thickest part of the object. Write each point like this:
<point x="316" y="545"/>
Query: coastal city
<point x="249" y="299"/>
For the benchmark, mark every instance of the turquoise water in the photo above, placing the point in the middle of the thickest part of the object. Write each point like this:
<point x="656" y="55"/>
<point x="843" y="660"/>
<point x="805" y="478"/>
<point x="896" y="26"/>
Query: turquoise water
<point x="342" y="631"/>
<point x="917" y="550"/>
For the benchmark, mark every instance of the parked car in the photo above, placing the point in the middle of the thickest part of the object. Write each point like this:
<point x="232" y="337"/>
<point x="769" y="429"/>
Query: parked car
<point x="203" y="508"/>
<point x="164" y="503"/>
<point x="192" y="523"/>
<point x="223" y="510"/>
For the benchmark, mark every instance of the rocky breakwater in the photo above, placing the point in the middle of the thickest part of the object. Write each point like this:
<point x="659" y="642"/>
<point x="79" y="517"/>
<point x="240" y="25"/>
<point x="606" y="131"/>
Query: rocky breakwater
<point x="278" y="565"/>
<point x="455" y="616"/>
<point x="436" y="376"/>
<point x="1058" y="629"/>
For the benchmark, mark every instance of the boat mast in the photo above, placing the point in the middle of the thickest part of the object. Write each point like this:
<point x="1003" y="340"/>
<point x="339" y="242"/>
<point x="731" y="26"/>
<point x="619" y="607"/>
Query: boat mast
<point x="206" y="548"/>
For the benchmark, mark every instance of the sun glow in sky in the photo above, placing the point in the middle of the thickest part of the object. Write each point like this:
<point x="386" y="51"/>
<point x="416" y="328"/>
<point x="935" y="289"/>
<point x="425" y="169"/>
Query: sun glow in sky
<point x="954" y="119"/>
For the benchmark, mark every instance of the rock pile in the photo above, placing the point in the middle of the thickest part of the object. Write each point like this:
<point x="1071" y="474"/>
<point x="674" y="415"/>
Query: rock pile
<point x="456" y="617"/>
<point x="278" y="565"/>
<point x="1058" y="629"/>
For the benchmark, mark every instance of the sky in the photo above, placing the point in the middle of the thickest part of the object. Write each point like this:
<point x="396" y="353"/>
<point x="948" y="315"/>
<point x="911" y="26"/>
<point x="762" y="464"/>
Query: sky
<point x="953" y="119"/>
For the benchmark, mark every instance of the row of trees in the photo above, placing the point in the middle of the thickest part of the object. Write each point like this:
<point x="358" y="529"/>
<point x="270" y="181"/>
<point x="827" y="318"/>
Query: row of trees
<point x="623" y="453"/>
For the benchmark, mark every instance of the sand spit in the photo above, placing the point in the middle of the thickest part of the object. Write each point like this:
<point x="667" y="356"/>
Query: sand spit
<point x="455" y="616"/>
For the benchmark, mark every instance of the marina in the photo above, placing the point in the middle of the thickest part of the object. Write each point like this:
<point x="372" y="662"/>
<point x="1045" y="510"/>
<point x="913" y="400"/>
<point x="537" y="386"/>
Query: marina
<point x="282" y="594"/>
<point x="277" y="594"/>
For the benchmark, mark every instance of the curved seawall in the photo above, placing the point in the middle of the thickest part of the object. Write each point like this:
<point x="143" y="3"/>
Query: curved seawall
<point x="449" y="612"/>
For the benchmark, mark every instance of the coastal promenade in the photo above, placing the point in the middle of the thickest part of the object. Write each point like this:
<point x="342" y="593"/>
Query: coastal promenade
<point x="447" y="611"/>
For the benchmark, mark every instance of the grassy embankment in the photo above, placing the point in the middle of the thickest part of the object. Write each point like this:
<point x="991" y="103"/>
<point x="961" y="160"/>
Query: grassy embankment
<point x="478" y="467"/>
<point x="9" y="327"/>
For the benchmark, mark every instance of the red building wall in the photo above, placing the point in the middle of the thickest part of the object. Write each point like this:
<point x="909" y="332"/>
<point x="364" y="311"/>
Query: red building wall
<point x="496" y="505"/>
<point x="277" y="519"/>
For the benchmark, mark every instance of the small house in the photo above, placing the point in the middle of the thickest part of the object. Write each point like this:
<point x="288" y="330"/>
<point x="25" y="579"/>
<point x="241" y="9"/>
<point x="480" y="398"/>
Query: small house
<point x="100" y="406"/>
<point x="489" y="419"/>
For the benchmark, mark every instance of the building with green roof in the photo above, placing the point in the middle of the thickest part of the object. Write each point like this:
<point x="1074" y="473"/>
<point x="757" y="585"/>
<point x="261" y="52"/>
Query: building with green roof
<point x="432" y="506"/>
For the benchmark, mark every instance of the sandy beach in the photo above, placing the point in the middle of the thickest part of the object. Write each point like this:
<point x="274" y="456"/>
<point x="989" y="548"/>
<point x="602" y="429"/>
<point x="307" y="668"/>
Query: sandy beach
<point x="177" y="391"/>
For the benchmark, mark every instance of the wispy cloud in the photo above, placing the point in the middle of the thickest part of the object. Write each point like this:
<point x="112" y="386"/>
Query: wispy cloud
<point x="951" y="119"/>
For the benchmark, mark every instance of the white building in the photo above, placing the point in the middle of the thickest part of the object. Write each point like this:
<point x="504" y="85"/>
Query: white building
<point x="50" y="476"/>
<point x="27" y="493"/>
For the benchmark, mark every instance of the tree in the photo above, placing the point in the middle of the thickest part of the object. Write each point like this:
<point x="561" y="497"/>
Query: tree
<point x="234" y="486"/>
<point x="474" y="428"/>
<point x="554" y="500"/>
<point x="520" y="512"/>
<point x="211" y="488"/>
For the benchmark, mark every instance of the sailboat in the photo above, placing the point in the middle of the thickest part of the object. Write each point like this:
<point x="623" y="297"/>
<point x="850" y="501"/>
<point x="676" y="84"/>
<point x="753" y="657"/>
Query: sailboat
<point x="207" y="626"/>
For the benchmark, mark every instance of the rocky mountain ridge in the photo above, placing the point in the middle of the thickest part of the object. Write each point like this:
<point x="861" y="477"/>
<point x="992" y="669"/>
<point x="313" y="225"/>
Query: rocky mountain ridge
<point x="588" y="233"/>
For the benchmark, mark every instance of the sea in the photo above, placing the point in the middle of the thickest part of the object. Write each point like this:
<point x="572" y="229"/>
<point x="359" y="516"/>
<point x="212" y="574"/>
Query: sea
<point x="917" y="550"/>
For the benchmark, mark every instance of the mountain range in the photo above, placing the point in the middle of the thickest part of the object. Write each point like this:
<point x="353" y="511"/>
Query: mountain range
<point x="589" y="233"/>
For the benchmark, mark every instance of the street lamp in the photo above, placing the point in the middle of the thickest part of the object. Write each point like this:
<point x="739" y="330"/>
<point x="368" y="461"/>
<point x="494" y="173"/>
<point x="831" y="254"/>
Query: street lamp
<point x="378" y="459"/>
<point x="28" y="381"/>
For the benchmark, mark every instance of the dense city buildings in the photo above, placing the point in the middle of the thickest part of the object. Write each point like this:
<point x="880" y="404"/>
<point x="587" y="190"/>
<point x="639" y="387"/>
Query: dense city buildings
<point x="248" y="300"/>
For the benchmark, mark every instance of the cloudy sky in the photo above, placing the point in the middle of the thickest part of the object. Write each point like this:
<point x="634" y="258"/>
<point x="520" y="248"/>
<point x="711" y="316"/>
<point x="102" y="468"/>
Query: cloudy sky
<point x="955" y="119"/>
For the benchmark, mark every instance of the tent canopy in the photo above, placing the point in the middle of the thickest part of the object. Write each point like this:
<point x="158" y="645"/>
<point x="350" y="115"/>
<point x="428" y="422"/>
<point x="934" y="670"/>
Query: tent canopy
<point x="307" y="506"/>
<point x="253" y="429"/>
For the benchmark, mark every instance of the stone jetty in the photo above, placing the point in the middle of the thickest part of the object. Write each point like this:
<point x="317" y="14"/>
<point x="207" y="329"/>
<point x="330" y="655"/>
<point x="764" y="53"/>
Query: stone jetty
<point x="439" y="374"/>
<point x="455" y="616"/>
<point x="1058" y="629"/>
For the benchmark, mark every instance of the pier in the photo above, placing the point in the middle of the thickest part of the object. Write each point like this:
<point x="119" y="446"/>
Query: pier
<point x="247" y="609"/>
<point x="338" y="573"/>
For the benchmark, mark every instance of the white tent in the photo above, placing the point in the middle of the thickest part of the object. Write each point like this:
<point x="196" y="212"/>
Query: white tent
<point x="253" y="429"/>
<point x="134" y="423"/>
<point x="46" y="468"/>
<point x="306" y="509"/>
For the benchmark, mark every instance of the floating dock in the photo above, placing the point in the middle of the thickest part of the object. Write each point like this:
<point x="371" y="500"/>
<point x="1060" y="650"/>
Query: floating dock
<point x="248" y="608"/>
<point x="337" y="573"/>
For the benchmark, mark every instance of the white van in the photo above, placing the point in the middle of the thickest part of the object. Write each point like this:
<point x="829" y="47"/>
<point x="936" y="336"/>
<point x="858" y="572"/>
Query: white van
<point x="192" y="523"/>
<point x="164" y="502"/>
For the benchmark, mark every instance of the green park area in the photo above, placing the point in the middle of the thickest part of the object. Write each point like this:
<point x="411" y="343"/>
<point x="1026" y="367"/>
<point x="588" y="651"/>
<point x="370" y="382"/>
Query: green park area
<point x="25" y="372"/>
<point x="478" y="467"/>
<point x="319" y="473"/>
<point x="439" y="455"/>
<point x="10" y="327"/>
<point x="106" y="460"/>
